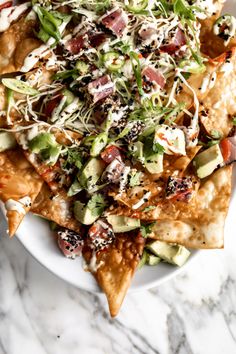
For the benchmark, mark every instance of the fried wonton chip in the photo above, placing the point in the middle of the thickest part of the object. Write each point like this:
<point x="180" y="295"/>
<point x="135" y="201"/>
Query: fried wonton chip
<point x="50" y="174"/>
<point x="57" y="208"/>
<point x="116" y="266"/>
<point x="19" y="186"/>
<point x="219" y="107"/>
<point x="202" y="226"/>
<point x="157" y="206"/>
<point x="16" y="43"/>
<point x="211" y="44"/>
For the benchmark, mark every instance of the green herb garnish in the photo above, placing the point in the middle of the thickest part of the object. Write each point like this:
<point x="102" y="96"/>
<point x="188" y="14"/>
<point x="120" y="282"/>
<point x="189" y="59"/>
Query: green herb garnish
<point x="97" y="204"/>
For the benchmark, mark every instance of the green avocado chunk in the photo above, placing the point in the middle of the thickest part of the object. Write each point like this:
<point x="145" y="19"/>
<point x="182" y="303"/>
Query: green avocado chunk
<point x="91" y="173"/>
<point x="152" y="260"/>
<point x="121" y="223"/>
<point x="7" y="141"/>
<point x="207" y="161"/>
<point x="83" y="214"/>
<point x="154" y="163"/>
<point x="171" y="253"/>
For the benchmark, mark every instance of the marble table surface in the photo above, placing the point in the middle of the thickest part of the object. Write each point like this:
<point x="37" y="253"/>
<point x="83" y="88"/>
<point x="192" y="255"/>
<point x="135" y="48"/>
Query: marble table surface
<point x="194" y="313"/>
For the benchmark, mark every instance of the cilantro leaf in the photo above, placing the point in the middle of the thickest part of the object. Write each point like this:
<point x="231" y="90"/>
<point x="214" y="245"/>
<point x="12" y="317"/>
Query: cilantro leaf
<point x="146" y="229"/>
<point x="234" y="120"/>
<point x="183" y="9"/>
<point x="97" y="204"/>
<point x="148" y="208"/>
<point x="158" y="148"/>
<point x="74" y="159"/>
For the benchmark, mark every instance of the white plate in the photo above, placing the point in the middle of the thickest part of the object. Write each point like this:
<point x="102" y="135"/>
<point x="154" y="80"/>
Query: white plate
<point x="35" y="235"/>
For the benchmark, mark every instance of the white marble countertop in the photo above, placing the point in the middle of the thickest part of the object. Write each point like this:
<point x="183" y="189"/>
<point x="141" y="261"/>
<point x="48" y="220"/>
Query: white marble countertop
<point x="194" y="313"/>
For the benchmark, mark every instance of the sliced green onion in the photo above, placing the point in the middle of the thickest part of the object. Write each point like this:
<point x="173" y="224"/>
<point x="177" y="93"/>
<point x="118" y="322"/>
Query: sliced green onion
<point x="136" y="6"/>
<point x="10" y="103"/>
<point x="98" y="144"/>
<point x="137" y="71"/>
<point x="225" y="27"/>
<point x="19" y="86"/>
<point x="192" y="67"/>
<point x="113" y="61"/>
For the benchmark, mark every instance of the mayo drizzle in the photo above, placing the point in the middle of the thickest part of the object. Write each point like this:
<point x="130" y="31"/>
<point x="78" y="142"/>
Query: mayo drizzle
<point x="19" y="205"/>
<point x="10" y="14"/>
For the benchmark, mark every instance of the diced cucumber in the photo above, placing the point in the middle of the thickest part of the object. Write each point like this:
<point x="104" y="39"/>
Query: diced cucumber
<point x="98" y="144"/>
<point x="74" y="188"/>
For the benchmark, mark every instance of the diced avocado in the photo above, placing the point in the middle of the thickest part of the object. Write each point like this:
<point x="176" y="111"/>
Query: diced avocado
<point x="136" y="150"/>
<point x="83" y="214"/>
<point x="122" y="223"/>
<point x="69" y="96"/>
<point x="82" y="67"/>
<point x="143" y="260"/>
<point x="91" y="173"/>
<point x="42" y="141"/>
<point x="98" y="144"/>
<point x="74" y="188"/>
<point x="152" y="260"/>
<point x="7" y="141"/>
<point x="171" y="253"/>
<point x="207" y="161"/>
<point x="154" y="163"/>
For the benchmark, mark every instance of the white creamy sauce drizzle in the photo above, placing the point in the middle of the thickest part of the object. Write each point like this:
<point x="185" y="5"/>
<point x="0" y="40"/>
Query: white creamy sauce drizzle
<point x="19" y="205"/>
<point x="142" y="201"/>
<point x="93" y="266"/>
<point x="33" y="57"/>
<point x="10" y="14"/>
<point x="94" y="90"/>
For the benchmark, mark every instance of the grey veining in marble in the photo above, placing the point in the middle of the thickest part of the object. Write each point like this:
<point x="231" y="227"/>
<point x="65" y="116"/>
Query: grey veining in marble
<point x="194" y="313"/>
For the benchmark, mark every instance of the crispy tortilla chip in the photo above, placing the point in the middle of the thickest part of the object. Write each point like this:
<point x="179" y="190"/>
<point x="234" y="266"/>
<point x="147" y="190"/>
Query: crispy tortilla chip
<point x="116" y="267"/>
<point x="57" y="208"/>
<point x="17" y="180"/>
<point x="202" y="226"/>
<point x="16" y="43"/>
<point x="219" y="106"/>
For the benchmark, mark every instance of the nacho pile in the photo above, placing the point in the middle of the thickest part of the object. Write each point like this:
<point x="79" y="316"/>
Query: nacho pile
<point x="117" y="124"/>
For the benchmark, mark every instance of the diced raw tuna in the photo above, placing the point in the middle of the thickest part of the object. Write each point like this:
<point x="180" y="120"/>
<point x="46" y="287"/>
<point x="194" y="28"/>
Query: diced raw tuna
<point x="70" y="243"/>
<point x="116" y="21"/>
<point x="75" y="45"/>
<point x="110" y="153"/>
<point x="96" y="39"/>
<point x="179" y="189"/>
<point x="100" y="235"/>
<point x="228" y="149"/>
<point x="147" y="32"/>
<point x="113" y="172"/>
<point x="175" y="43"/>
<point x="101" y="88"/>
<point x="152" y="76"/>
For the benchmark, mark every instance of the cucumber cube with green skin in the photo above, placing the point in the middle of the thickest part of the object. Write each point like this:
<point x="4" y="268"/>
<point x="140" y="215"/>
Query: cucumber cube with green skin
<point x="207" y="161"/>
<point x="154" y="163"/>
<point x="171" y="253"/>
<point x="91" y="173"/>
<point x="152" y="260"/>
<point x="121" y="223"/>
<point x="7" y="141"/>
<point x="83" y="214"/>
